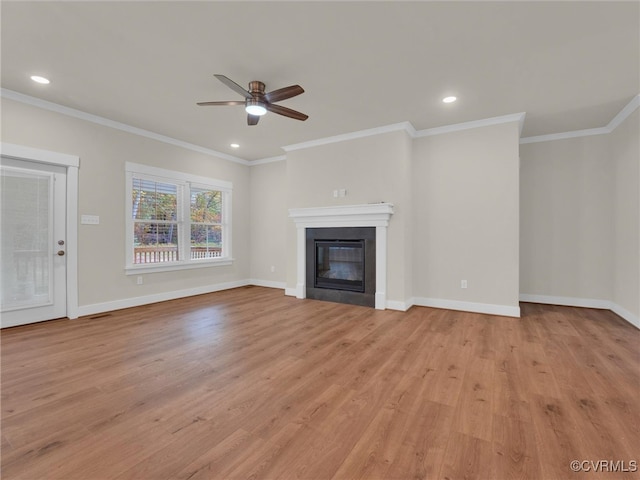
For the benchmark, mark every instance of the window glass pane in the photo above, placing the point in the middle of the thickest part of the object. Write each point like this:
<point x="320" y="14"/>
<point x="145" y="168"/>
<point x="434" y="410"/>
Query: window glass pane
<point x="206" y="206"/>
<point x="206" y="241"/>
<point x="154" y="200"/>
<point x="155" y="242"/>
<point x="26" y="257"/>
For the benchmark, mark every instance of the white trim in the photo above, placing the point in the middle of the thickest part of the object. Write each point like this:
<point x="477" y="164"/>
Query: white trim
<point x="406" y="126"/>
<point x="184" y="182"/>
<point x="564" y="135"/>
<point x="584" y="303"/>
<point x="290" y="292"/>
<point x="566" y="301"/>
<point x="365" y="215"/>
<point x="486" y="122"/>
<point x="72" y="163"/>
<point x="624" y="113"/>
<point x="410" y="129"/>
<point x="491" y="309"/>
<point x="157" y="297"/>
<point x="176" y="175"/>
<point x="368" y="215"/>
<point x="105" y="122"/>
<point x="267" y="283"/>
<point x="400" y="306"/>
<point x="262" y="161"/>
<point x="609" y="128"/>
<point x="38" y="155"/>
<point x="141" y="268"/>
<point x="626" y="315"/>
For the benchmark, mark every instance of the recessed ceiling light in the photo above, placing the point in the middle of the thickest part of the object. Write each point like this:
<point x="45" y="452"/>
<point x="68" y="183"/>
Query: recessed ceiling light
<point x="235" y="145"/>
<point x="449" y="99"/>
<point x="39" y="79"/>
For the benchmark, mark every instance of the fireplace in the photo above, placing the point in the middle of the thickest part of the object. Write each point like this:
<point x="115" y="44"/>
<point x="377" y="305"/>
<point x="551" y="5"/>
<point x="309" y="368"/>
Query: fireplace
<point x="372" y="215"/>
<point x="341" y="264"/>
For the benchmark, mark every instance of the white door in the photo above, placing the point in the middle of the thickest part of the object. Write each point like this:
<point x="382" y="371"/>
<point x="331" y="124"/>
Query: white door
<point x="32" y="242"/>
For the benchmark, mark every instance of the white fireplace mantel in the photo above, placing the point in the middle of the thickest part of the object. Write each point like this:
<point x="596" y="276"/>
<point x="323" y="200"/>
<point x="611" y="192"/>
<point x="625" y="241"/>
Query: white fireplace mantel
<point x="369" y="215"/>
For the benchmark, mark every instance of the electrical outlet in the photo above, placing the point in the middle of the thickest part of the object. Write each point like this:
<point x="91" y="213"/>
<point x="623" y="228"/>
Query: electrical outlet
<point x="335" y="194"/>
<point x="463" y="284"/>
<point x="273" y="268"/>
<point x="139" y="280"/>
<point x="343" y="192"/>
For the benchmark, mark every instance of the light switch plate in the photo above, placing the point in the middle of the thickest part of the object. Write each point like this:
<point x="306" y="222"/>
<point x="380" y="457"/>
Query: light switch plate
<point x="90" y="220"/>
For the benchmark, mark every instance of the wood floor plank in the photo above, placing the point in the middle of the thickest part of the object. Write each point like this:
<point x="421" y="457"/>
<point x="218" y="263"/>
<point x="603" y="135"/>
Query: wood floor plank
<point x="248" y="383"/>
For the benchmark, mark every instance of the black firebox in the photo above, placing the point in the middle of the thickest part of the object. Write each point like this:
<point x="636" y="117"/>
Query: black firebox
<point x="341" y="264"/>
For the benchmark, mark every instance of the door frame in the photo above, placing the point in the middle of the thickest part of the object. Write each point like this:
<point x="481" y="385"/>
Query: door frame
<point x="72" y="164"/>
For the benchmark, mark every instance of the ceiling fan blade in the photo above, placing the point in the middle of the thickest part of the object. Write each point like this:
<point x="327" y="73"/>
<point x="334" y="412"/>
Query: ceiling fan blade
<point x="287" y="112"/>
<point x="284" y="93"/>
<point x="252" y="119"/>
<point x="233" y="85"/>
<point x="230" y="102"/>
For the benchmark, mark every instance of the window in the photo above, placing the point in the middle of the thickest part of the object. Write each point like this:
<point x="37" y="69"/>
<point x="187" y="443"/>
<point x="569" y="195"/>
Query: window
<point x="176" y="220"/>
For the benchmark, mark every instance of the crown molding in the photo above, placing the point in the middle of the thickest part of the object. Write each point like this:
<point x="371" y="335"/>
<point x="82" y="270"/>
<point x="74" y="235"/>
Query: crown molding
<point x="486" y="122"/>
<point x="105" y="122"/>
<point x="410" y="129"/>
<point x="624" y="113"/>
<point x="561" y="136"/>
<point x="610" y="127"/>
<point x="406" y="126"/>
<point x="262" y="161"/>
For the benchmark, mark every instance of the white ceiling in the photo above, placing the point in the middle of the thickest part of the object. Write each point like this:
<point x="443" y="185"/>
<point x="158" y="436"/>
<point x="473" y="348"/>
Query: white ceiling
<point x="568" y="65"/>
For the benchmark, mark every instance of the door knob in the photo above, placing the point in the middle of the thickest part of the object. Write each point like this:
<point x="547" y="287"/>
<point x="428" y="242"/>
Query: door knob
<point x="60" y="253"/>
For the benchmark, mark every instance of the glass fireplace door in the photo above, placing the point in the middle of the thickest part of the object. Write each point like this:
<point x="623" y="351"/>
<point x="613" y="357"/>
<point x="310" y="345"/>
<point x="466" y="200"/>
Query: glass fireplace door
<point x="339" y="265"/>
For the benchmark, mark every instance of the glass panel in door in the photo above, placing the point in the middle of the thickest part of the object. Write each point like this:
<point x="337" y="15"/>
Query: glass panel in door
<point x="33" y="267"/>
<point x="27" y="238"/>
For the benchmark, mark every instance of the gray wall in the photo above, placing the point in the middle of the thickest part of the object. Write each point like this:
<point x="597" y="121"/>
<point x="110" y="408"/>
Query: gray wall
<point x="466" y="216"/>
<point x="103" y="152"/>
<point x="580" y="219"/>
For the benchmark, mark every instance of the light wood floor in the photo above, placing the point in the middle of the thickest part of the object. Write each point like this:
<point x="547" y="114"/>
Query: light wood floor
<point x="249" y="383"/>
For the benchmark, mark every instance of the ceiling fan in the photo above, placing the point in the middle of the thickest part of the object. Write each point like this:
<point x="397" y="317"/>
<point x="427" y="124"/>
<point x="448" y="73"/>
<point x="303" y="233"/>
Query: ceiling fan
<point x="257" y="103"/>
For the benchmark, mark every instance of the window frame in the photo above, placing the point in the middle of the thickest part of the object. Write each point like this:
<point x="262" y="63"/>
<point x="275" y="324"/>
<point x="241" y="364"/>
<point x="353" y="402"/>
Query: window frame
<point x="184" y="182"/>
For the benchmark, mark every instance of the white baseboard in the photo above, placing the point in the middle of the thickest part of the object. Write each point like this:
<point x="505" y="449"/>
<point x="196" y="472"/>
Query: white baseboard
<point x="398" y="305"/>
<point x="267" y="283"/>
<point x="488" y="308"/>
<point x="504" y="310"/>
<point x="626" y="314"/>
<point x="84" y="310"/>
<point x="566" y="301"/>
<point x="583" y="302"/>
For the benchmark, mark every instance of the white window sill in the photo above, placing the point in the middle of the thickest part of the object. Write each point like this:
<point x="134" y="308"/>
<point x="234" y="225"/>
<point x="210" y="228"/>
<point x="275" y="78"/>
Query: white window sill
<point x="168" y="267"/>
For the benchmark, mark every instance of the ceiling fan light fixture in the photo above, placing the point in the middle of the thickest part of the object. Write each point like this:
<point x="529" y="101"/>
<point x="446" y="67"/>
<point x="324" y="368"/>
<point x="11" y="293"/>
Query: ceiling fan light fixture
<point x="255" y="107"/>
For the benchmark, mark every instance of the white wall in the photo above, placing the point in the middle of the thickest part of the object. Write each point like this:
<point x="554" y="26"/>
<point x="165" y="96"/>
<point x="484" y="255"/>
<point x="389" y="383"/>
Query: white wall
<point x="625" y="148"/>
<point x="458" y="211"/>
<point x="566" y="202"/>
<point x="466" y="211"/>
<point x="372" y="169"/>
<point x="103" y="152"/>
<point x="580" y="221"/>
<point x="268" y="187"/>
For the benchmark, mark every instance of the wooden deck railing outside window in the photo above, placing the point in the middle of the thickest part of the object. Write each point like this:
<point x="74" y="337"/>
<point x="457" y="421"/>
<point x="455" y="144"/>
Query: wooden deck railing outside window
<point x="156" y="254"/>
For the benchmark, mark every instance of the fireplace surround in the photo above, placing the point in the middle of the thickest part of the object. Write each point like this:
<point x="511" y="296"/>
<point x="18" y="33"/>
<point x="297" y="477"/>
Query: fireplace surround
<point x="341" y="264"/>
<point x="375" y="215"/>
